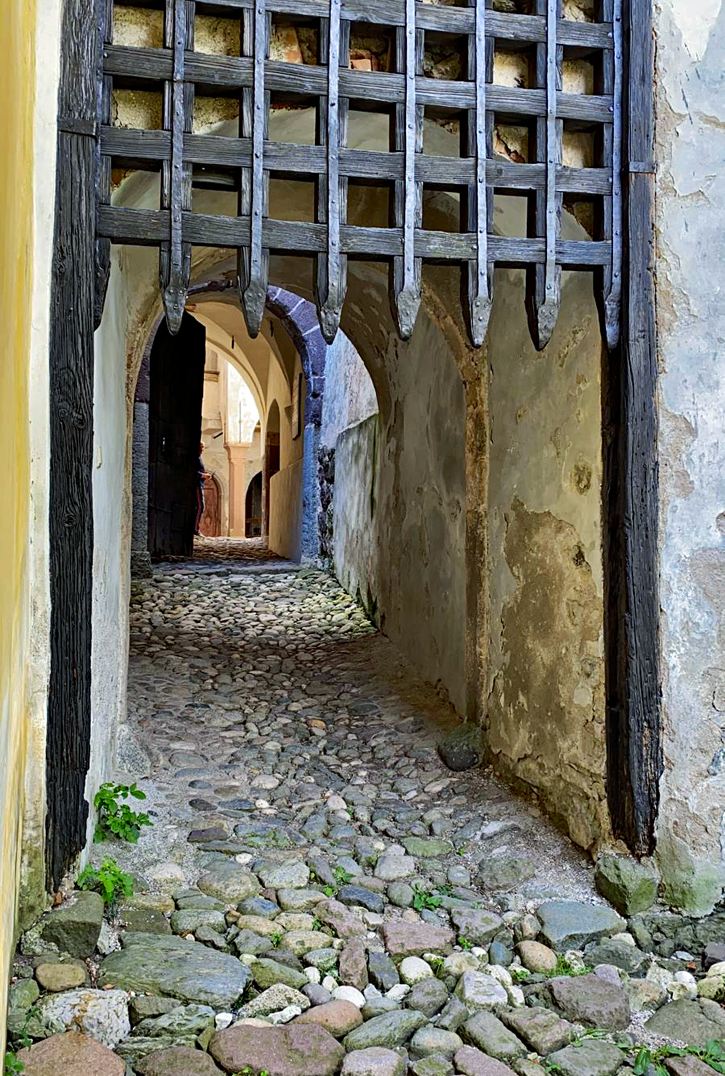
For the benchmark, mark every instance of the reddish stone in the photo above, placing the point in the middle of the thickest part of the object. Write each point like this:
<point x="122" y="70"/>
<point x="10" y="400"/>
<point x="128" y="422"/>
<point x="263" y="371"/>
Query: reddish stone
<point x="71" y="1054"/>
<point x="473" y="1062"/>
<point x="338" y="1017"/>
<point x="296" y="1050"/>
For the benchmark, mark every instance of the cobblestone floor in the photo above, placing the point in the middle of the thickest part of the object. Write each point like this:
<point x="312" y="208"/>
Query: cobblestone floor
<point x="319" y="894"/>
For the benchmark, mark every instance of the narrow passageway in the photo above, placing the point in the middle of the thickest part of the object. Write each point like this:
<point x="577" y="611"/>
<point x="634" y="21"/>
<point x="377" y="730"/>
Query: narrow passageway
<point x="258" y="688"/>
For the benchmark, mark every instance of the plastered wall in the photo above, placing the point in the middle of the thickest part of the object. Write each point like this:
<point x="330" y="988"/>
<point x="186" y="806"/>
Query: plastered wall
<point x="690" y="209"/>
<point x="545" y="711"/>
<point x="28" y="84"/>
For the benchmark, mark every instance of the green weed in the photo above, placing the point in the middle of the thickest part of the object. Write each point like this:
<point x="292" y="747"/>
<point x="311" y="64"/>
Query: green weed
<point x="108" y="880"/>
<point x="117" y="819"/>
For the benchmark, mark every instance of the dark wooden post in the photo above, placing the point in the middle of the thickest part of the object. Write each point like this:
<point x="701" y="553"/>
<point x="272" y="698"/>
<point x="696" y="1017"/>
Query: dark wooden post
<point x="634" y="750"/>
<point x="71" y="441"/>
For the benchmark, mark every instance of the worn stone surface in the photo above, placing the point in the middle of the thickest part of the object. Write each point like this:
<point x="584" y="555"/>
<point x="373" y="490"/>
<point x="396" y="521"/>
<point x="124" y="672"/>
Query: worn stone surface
<point x="630" y="886"/>
<point x="461" y="748"/>
<point x="472" y="1062"/>
<point x="693" y="1022"/>
<point x="592" y="1001"/>
<point x="568" y="924"/>
<point x="59" y="977"/>
<point x="591" y="1057"/>
<point x="414" y="939"/>
<point x="541" y="1029"/>
<point x="390" y="1029"/>
<point x="74" y="927"/>
<point x="486" y="1031"/>
<point x="177" y="968"/>
<point x="373" y="1061"/>
<point x="177" y="1061"/>
<point x="72" y="1054"/>
<point x="337" y="1017"/>
<point x="299" y="1050"/>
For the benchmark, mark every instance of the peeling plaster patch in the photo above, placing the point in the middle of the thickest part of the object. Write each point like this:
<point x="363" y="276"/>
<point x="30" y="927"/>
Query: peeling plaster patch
<point x="546" y="712"/>
<point x="696" y="22"/>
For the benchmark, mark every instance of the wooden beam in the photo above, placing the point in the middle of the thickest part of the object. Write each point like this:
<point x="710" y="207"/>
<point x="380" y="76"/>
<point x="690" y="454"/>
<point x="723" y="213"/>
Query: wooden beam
<point x="71" y="443"/>
<point x="634" y="734"/>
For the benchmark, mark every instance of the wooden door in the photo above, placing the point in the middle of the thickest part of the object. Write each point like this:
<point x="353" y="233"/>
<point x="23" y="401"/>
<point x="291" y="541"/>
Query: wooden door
<point x="176" y="390"/>
<point x="211" y="523"/>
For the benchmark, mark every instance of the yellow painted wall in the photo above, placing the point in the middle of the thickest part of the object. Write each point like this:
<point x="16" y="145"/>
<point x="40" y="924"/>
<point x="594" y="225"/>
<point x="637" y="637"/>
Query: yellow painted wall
<point x="17" y="92"/>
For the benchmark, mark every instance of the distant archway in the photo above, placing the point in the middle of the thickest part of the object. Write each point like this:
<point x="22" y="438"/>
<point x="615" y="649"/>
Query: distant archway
<point x="253" y="508"/>
<point x="271" y="459"/>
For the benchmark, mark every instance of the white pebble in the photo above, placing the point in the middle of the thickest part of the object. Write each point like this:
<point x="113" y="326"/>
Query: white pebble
<point x="285" y="1015"/>
<point x="516" y="996"/>
<point x="329" y="983"/>
<point x="398" y="992"/>
<point x="501" y="974"/>
<point x="349" y="993"/>
<point x="222" y="1020"/>
<point x="313" y="974"/>
<point x="371" y="992"/>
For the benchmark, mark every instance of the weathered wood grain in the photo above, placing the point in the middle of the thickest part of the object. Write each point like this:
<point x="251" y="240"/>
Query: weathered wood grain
<point x="634" y="733"/>
<point x="71" y="444"/>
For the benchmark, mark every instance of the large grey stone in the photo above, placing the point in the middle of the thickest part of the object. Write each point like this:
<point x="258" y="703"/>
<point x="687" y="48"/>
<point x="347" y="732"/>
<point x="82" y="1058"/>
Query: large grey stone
<point x="382" y="971"/>
<point x="374" y="1061"/>
<point x="541" y="1029"/>
<point x="434" y="1040"/>
<point x="693" y="1022"/>
<point x="390" y="1029"/>
<point x="190" y="919"/>
<point x="461" y="748"/>
<point x="630" y="886"/>
<point x="590" y="1057"/>
<point x="591" y="1001"/>
<point x="572" y="924"/>
<point x="505" y="872"/>
<point x="428" y="996"/>
<point x="472" y="1062"/>
<point x="486" y="1031"/>
<point x="476" y="925"/>
<point x="229" y="882"/>
<point x="297" y="1050"/>
<point x="478" y="991"/>
<point x="76" y="925"/>
<point x="266" y="973"/>
<point x="184" y="1020"/>
<point x="177" y="1061"/>
<point x="176" y="968"/>
<point x="293" y="874"/>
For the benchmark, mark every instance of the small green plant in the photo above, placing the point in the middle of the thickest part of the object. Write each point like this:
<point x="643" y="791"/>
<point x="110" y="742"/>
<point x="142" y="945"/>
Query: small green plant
<point x="564" y="967"/>
<point x="436" y="962"/>
<point x="342" y="877"/>
<point x="464" y="944"/>
<point x="316" y="924"/>
<point x="519" y="975"/>
<point x="276" y="939"/>
<point x="13" y="1066"/>
<point x="712" y="1053"/>
<point x="425" y="898"/>
<point x="117" y="819"/>
<point x="108" y="880"/>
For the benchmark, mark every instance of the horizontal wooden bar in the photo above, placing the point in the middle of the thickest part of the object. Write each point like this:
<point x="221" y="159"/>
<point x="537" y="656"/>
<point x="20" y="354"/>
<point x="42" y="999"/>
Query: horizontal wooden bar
<point x="148" y="227"/>
<point x="134" y="147"/>
<point x="500" y="26"/>
<point x="227" y="75"/>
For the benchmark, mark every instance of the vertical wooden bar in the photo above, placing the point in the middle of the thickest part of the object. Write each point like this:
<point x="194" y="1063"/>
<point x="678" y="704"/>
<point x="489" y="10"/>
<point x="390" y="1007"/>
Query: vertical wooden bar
<point x="71" y="443"/>
<point x="103" y="163"/>
<point x="175" y="259"/>
<point x="634" y="730"/>
<point x="332" y="268"/>
<point x="408" y="195"/>
<point x="609" y="279"/>
<point x="544" y="283"/>
<point x="256" y="265"/>
<point x="478" y="211"/>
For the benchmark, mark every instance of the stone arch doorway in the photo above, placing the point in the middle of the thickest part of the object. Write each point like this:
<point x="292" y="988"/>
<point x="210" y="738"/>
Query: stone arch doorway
<point x="253" y="508"/>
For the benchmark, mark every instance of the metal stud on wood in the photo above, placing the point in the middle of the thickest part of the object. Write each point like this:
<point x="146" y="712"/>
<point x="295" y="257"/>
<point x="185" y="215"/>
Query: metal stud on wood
<point x="406" y="93"/>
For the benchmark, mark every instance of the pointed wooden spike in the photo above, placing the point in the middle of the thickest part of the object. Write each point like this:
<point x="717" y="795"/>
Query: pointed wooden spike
<point x="480" y="314"/>
<point x="407" y="305"/>
<point x="253" y="302"/>
<point x="546" y="316"/>
<point x="174" y="303"/>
